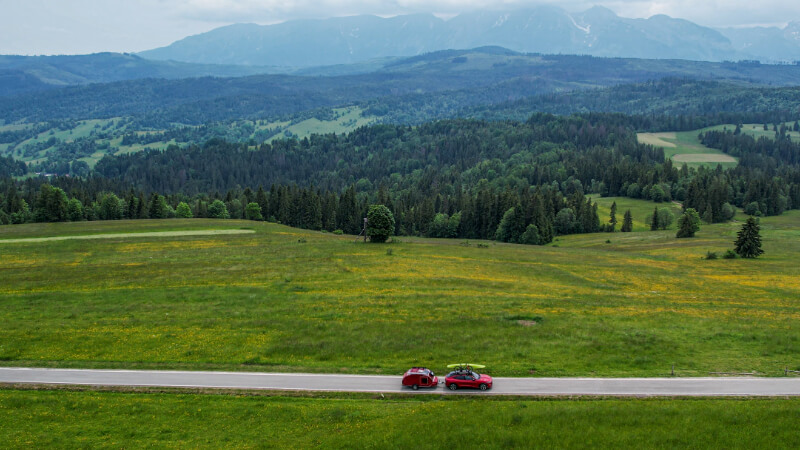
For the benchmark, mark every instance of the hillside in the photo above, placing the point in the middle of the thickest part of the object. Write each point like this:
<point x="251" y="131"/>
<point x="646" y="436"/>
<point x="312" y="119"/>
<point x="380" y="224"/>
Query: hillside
<point x="467" y="78"/>
<point x="20" y="74"/>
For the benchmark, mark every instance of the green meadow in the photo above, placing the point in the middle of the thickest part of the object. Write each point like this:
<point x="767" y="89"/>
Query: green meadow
<point x="61" y="419"/>
<point x="685" y="148"/>
<point x="632" y="304"/>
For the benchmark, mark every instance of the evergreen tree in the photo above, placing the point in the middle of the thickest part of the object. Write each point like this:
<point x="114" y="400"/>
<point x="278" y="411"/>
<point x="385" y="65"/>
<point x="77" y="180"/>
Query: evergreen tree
<point x="654" y="220"/>
<point x="158" y="206"/>
<point x="380" y="223"/>
<point x="613" y="221"/>
<point x="748" y="240"/>
<point x="627" y="222"/>
<point x="688" y="223"/>
<point x="74" y="210"/>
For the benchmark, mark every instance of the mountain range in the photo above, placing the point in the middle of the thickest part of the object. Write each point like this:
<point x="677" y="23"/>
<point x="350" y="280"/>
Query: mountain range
<point x="544" y="29"/>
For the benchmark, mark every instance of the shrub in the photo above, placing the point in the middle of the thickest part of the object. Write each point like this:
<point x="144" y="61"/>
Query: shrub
<point x="711" y="255"/>
<point x="338" y="232"/>
<point x="730" y="254"/>
<point x="218" y="210"/>
<point x="183" y="211"/>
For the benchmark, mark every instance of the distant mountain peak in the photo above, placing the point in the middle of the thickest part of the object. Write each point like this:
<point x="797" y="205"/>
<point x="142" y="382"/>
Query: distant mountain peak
<point x="547" y="28"/>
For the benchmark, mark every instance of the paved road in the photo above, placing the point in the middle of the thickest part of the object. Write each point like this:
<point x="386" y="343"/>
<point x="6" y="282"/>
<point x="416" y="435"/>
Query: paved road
<point x="378" y="383"/>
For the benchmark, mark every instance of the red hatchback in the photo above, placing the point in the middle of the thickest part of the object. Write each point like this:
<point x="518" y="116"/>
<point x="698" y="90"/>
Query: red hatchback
<point x="467" y="379"/>
<point x="417" y="377"/>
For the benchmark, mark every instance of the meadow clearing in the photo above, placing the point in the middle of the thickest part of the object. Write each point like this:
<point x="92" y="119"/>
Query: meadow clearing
<point x="283" y="299"/>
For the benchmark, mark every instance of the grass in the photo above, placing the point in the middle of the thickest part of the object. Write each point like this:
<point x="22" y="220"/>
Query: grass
<point x="684" y="147"/>
<point x="122" y="420"/>
<point x="266" y="301"/>
<point x="640" y="209"/>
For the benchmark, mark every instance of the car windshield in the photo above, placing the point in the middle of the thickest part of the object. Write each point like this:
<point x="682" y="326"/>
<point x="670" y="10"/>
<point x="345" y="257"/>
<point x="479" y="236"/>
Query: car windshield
<point x="475" y="376"/>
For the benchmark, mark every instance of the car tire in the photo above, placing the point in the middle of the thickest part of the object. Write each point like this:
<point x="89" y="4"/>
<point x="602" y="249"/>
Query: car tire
<point x="483" y="387"/>
<point x="414" y="387"/>
<point x="453" y="386"/>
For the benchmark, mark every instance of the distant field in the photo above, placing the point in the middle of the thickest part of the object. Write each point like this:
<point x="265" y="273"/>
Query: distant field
<point x="42" y="419"/>
<point x="284" y="299"/>
<point x="684" y="147"/>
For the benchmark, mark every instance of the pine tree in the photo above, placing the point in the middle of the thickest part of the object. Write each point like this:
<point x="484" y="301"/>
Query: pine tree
<point x="613" y="220"/>
<point x="688" y="224"/>
<point x="654" y="220"/>
<point x="748" y="240"/>
<point x="627" y="222"/>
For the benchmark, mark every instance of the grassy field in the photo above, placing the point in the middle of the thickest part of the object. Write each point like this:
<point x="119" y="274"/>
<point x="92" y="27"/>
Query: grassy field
<point x="294" y="300"/>
<point x="639" y="211"/>
<point x="684" y="147"/>
<point x="123" y="420"/>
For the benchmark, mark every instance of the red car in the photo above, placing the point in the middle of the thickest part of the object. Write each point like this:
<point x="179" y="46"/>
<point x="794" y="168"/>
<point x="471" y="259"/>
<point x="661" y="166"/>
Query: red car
<point x="467" y="379"/>
<point x="418" y="377"/>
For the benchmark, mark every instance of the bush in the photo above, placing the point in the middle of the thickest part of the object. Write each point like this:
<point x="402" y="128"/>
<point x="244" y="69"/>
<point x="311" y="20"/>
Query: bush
<point x="218" y="210"/>
<point x="730" y="254"/>
<point x="711" y="255"/>
<point x="253" y="212"/>
<point x="183" y="211"/>
<point x="338" y="232"/>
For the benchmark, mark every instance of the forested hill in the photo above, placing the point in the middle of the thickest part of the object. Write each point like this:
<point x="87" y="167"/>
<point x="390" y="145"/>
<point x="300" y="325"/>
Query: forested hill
<point x="475" y="77"/>
<point x="512" y="181"/>
<point x="20" y="74"/>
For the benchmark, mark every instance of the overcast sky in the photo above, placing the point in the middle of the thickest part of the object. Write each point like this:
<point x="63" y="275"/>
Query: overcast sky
<point x="88" y="26"/>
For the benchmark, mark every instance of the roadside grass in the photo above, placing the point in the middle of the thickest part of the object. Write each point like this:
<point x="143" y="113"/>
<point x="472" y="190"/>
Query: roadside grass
<point x="295" y="300"/>
<point x="103" y="419"/>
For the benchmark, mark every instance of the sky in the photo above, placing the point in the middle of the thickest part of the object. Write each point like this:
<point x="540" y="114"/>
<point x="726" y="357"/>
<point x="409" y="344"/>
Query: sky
<point x="46" y="27"/>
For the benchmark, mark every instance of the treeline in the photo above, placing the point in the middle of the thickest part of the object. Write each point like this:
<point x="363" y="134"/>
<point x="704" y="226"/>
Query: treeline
<point x="533" y="217"/>
<point x="512" y="181"/>
<point x="9" y="167"/>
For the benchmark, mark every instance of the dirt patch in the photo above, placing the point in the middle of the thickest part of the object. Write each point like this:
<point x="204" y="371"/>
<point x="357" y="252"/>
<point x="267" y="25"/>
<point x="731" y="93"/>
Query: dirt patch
<point x="704" y="158"/>
<point x="657" y="139"/>
<point x="129" y="235"/>
<point x="527" y="323"/>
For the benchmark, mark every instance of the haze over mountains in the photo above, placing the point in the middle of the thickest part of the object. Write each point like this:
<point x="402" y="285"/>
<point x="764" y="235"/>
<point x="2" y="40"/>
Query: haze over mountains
<point x="545" y="29"/>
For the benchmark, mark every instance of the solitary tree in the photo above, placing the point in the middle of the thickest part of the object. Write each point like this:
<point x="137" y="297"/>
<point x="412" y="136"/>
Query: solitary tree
<point x="627" y="222"/>
<point x="748" y="240"/>
<point x="380" y="223"/>
<point x="613" y="220"/>
<point x="688" y="223"/>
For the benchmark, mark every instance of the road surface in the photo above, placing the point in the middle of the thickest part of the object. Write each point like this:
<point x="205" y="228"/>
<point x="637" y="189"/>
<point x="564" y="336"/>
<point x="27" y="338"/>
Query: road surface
<point x="712" y="387"/>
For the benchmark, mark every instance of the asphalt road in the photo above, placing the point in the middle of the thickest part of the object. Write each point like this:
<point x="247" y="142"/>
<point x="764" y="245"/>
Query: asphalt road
<point x="392" y="384"/>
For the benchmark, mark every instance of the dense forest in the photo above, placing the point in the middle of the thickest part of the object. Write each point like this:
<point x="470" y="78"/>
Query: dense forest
<point x="512" y="181"/>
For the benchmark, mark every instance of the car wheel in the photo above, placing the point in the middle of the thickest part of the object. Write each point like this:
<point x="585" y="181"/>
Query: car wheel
<point x="453" y="387"/>
<point x="414" y="387"/>
<point x="483" y="386"/>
